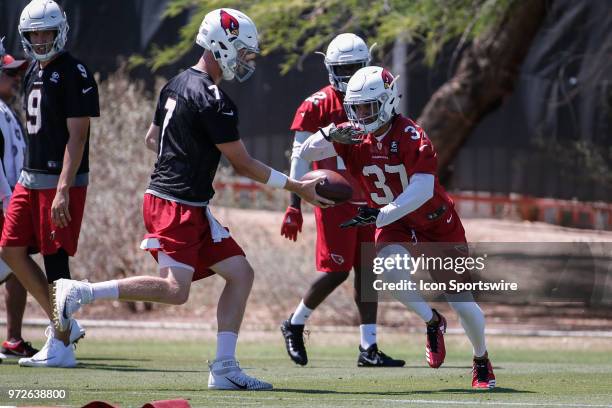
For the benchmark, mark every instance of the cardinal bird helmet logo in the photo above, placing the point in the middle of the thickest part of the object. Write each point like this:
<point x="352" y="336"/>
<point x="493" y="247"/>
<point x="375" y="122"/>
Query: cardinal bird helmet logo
<point x="229" y="23"/>
<point x="387" y="78"/>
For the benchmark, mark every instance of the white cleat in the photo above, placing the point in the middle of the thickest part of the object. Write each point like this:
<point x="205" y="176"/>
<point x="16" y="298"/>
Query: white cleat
<point x="53" y="354"/>
<point x="2" y="357"/>
<point x="68" y="297"/>
<point x="226" y="374"/>
<point x="77" y="332"/>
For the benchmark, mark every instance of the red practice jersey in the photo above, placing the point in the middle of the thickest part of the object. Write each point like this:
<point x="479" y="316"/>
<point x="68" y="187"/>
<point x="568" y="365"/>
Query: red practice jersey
<point x="317" y="111"/>
<point x="384" y="168"/>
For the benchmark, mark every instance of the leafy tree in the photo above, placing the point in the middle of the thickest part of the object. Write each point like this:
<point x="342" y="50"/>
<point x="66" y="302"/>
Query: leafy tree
<point x="492" y="38"/>
<point x="298" y="28"/>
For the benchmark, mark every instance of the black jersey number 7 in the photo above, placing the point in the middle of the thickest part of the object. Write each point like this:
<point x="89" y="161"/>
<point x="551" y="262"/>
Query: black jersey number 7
<point x="170" y="106"/>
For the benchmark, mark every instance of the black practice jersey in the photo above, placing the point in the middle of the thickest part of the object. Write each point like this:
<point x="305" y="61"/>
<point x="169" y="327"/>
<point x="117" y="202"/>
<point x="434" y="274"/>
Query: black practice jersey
<point x="193" y="115"/>
<point x="63" y="89"/>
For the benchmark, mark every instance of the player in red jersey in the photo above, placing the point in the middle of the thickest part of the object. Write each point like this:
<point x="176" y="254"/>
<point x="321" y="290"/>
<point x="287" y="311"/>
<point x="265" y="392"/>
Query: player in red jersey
<point x="337" y="250"/>
<point x="396" y="165"/>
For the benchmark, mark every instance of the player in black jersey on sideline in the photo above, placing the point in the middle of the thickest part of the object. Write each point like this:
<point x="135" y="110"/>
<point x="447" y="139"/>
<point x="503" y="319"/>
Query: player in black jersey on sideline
<point x="46" y="210"/>
<point x="195" y="122"/>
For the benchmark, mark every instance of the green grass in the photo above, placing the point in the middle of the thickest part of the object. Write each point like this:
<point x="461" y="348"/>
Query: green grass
<point x="134" y="372"/>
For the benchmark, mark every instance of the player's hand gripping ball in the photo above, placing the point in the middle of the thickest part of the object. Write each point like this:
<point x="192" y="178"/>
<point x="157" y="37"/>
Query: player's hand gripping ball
<point x="334" y="187"/>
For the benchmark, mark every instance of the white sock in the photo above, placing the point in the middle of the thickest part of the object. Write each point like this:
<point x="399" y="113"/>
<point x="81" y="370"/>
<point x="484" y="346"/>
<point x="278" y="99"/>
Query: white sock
<point x="473" y="321"/>
<point x="226" y="345"/>
<point x="105" y="290"/>
<point x="412" y="299"/>
<point x="301" y="314"/>
<point x="368" y="335"/>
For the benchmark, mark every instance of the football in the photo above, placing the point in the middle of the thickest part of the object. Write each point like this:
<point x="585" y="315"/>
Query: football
<point x="334" y="187"/>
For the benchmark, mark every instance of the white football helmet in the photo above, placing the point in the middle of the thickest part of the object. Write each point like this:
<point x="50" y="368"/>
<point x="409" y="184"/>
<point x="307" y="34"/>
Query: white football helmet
<point x="371" y="98"/>
<point x="231" y="36"/>
<point x="42" y="15"/>
<point x="346" y="53"/>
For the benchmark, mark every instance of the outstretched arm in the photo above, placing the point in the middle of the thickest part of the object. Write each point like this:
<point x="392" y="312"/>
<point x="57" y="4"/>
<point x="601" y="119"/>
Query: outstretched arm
<point x="299" y="166"/>
<point x="316" y="148"/>
<point x="245" y="165"/>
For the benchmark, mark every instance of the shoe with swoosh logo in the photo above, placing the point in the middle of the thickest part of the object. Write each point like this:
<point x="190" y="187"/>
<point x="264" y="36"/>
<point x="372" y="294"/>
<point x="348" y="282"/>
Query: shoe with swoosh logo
<point x="53" y="354"/>
<point x="373" y="357"/>
<point x="226" y="374"/>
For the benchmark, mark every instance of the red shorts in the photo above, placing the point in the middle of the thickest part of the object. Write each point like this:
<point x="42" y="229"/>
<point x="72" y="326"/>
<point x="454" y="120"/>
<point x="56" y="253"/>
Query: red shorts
<point x="28" y="221"/>
<point x="339" y="249"/>
<point x="443" y="238"/>
<point x="447" y="228"/>
<point x="184" y="234"/>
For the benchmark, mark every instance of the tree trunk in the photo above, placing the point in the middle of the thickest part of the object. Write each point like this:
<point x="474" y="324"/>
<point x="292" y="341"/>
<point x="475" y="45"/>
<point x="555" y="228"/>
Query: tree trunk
<point x="486" y="74"/>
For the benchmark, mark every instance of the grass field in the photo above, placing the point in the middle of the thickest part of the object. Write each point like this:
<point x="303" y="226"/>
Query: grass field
<point x="556" y="372"/>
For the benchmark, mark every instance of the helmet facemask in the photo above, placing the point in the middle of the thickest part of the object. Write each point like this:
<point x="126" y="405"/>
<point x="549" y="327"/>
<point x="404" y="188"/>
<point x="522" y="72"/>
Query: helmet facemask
<point x="367" y="115"/>
<point x="340" y="73"/>
<point x="41" y="51"/>
<point x="236" y="61"/>
<point x="244" y="63"/>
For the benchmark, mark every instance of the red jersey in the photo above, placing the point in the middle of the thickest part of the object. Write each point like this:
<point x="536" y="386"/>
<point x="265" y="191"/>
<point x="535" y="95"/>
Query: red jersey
<point x="317" y="111"/>
<point x="384" y="168"/>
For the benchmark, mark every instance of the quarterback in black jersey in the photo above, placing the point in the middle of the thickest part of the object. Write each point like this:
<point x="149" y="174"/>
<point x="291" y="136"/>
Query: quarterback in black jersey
<point x="46" y="210"/>
<point x="195" y="123"/>
<point x="195" y="116"/>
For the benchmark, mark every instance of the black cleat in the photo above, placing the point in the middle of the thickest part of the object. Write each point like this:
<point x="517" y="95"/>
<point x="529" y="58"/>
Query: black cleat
<point x="294" y="341"/>
<point x="373" y="357"/>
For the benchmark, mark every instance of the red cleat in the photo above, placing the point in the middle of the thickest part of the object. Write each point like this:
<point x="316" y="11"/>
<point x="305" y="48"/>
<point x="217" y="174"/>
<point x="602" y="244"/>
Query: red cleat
<point x="435" y="351"/>
<point x="482" y="375"/>
<point x="17" y="349"/>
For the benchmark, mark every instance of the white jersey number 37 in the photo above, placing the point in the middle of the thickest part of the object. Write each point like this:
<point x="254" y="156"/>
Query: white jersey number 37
<point x="386" y="195"/>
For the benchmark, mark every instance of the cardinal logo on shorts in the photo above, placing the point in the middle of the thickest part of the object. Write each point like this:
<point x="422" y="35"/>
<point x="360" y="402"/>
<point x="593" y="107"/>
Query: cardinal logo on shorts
<point x="229" y="23"/>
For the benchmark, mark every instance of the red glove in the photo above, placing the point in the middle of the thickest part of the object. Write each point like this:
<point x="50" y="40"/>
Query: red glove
<point x="292" y="223"/>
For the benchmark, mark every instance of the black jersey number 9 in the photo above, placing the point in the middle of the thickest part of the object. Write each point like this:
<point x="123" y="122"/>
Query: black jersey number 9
<point x="34" y="117"/>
